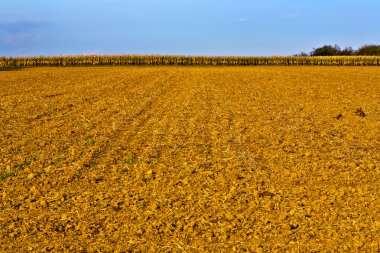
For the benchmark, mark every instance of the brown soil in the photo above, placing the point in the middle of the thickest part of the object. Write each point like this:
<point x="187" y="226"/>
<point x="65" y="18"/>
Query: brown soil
<point x="190" y="159"/>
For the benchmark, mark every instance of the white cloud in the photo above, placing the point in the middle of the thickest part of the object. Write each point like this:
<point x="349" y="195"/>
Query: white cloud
<point x="93" y="52"/>
<point x="20" y="32"/>
<point x="242" y="20"/>
<point x="292" y="15"/>
<point x="19" y="38"/>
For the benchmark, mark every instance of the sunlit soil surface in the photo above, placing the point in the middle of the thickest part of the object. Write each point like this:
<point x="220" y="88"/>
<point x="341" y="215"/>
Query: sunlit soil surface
<point x="190" y="159"/>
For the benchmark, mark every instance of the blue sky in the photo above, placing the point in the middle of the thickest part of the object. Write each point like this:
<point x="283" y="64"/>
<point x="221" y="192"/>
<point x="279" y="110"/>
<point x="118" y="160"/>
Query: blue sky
<point x="186" y="27"/>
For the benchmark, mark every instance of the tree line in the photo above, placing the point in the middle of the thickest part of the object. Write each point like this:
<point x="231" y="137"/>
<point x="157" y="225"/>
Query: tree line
<point x="336" y="50"/>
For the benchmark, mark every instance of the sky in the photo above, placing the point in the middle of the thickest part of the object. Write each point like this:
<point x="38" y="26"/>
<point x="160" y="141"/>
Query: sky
<point x="184" y="27"/>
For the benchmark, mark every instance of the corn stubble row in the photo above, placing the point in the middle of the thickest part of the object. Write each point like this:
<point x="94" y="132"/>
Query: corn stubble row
<point x="109" y="159"/>
<point x="154" y="60"/>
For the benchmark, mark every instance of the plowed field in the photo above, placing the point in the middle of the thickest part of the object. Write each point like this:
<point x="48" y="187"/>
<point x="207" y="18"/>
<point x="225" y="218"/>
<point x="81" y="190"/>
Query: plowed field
<point x="190" y="159"/>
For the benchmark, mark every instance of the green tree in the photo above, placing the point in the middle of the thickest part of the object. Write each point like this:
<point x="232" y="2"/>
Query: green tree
<point x="369" y="50"/>
<point x="326" y="50"/>
<point x="347" y="51"/>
